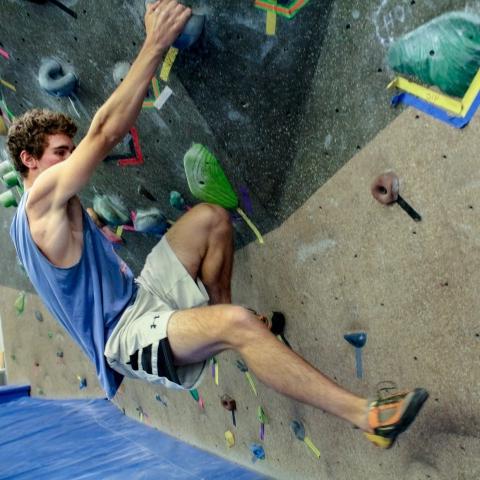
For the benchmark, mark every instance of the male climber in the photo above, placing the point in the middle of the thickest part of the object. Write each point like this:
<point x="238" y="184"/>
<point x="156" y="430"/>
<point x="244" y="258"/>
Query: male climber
<point x="163" y="326"/>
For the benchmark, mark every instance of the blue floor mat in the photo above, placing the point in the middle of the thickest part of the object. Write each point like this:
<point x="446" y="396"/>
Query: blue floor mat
<point x="92" y="439"/>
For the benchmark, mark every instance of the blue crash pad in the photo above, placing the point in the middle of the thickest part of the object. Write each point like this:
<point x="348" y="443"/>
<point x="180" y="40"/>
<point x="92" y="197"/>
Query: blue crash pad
<point x="70" y="439"/>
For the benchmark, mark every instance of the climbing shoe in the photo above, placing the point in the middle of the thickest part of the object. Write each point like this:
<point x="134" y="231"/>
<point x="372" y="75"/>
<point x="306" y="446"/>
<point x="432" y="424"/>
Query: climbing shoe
<point x="390" y="415"/>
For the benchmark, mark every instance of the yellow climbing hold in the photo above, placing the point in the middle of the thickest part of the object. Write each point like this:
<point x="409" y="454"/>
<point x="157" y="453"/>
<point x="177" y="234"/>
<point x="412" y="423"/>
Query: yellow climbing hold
<point x="379" y="441"/>
<point x="229" y="438"/>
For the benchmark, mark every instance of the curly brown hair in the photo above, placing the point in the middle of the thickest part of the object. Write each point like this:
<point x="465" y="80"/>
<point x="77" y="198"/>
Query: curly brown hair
<point x="30" y="131"/>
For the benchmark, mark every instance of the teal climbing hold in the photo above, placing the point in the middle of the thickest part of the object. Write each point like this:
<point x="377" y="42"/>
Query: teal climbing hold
<point x="444" y="52"/>
<point x="111" y="209"/>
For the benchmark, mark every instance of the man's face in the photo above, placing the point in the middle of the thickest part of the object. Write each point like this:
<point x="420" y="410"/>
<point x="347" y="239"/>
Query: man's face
<point x="58" y="149"/>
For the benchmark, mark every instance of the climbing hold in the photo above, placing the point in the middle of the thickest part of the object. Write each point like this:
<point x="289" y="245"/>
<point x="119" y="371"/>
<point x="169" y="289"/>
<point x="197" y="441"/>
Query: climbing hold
<point x="194" y="393"/>
<point x="57" y="78"/>
<point x="444" y="52"/>
<point x="111" y="210"/>
<point x="5" y="167"/>
<point x="377" y="440"/>
<point x="50" y="335"/>
<point x="228" y="403"/>
<point x="143" y="191"/>
<point x="82" y="382"/>
<point x="11" y="179"/>
<point x="208" y="182"/>
<point x="191" y="31"/>
<point x="299" y="431"/>
<point x="120" y="71"/>
<point x="357" y="340"/>
<point x="20" y="303"/>
<point x="60" y="354"/>
<point x="38" y="316"/>
<point x="385" y="189"/>
<point x="258" y="453"/>
<point x="229" y="438"/>
<point x="150" y="220"/>
<point x="177" y="201"/>
<point x="8" y="199"/>
<point x="160" y="399"/>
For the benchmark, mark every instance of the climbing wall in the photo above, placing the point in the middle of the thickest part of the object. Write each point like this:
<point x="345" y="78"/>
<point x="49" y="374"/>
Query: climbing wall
<point x="283" y="111"/>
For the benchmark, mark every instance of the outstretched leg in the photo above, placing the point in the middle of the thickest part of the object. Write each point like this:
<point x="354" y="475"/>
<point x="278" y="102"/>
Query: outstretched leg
<point x="203" y="241"/>
<point x="199" y="333"/>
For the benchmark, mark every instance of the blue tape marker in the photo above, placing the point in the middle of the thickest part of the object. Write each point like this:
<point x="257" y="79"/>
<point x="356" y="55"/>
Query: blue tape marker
<point x="436" y="112"/>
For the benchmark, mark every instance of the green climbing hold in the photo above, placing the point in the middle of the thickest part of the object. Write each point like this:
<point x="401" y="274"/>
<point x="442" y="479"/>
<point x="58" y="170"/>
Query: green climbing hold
<point x="111" y="209"/>
<point x="444" y="52"/>
<point x="20" y="303"/>
<point x="50" y="335"/>
<point x="206" y="179"/>
<point x="195" y="395"/>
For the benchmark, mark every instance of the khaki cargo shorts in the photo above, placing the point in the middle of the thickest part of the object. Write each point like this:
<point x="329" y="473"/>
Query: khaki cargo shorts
<point x="138" y="346"/>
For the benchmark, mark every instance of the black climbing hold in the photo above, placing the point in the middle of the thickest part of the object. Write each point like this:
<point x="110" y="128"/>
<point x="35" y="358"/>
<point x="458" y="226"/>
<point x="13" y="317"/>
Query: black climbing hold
<point x="38" y="316"/>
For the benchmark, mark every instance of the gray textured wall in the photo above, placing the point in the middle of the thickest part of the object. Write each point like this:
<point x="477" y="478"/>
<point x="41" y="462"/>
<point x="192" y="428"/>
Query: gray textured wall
<point x="284" y="114"/>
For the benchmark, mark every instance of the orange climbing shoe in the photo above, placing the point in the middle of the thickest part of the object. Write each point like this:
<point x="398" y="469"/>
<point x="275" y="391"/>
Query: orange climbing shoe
<point x="391" y="415"/>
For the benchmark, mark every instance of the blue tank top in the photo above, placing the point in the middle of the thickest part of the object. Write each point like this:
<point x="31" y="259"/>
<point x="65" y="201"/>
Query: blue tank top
<point x="88" y="298"/>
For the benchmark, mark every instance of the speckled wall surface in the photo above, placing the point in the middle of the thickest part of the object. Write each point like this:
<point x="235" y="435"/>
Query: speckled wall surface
<point x="284" y="114"/>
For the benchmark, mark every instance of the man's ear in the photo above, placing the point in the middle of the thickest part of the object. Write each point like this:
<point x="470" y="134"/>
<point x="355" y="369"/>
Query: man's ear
<point x="28" y="160"/>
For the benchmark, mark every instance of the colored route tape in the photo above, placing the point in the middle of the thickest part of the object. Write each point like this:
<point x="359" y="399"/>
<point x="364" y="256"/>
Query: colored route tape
<point x="443" y="101"/>
<point x="458" y="107"/>
<point x="4" y="54"/>
<point x="168" y="63"/>
<point x="436" y="112"/>
<point x="8" y="85"/>
<point x="288" y="11"/>
<point x="271" y="26"/>
<point x="163" y="97"/>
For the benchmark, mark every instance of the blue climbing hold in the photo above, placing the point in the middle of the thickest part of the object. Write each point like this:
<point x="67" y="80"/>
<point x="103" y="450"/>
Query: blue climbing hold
<point x="56" y="78"/>
<point x="191" y="32"/>
<point x="358" y="340"/>
<point x="258" y="453"/>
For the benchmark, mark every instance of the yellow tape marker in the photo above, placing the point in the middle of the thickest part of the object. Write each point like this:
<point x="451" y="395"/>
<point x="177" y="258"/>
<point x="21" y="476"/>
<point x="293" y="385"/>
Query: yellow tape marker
<point x="471" y="94"/>
<point x="168" y="63"/>
<point x="431" y="96"/>
<point x="312" y="447"/>
<point x="119" y="232"/>
<point x="458" y="107"/>
<point x="216" y="373"/>
<point x="8" y="85"/>
<point x="251" y="225"/>
<point x="251" y="383"/>
<point x="271" y="23"/>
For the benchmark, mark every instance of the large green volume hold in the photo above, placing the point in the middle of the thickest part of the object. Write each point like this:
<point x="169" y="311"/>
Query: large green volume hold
<point x="206" y="179"/>
<point x="444" y="52"/>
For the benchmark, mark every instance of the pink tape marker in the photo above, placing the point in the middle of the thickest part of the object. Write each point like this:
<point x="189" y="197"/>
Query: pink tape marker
<point x="4" y="53"/>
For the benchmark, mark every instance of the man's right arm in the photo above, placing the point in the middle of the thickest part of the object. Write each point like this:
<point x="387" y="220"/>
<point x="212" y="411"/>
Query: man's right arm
<point x="164" y="20"/>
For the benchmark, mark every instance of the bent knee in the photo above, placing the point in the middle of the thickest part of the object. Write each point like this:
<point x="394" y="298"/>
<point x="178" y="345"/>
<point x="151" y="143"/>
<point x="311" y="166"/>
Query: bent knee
<point x="213" y="216"/>
<point x="241" y="324"/>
